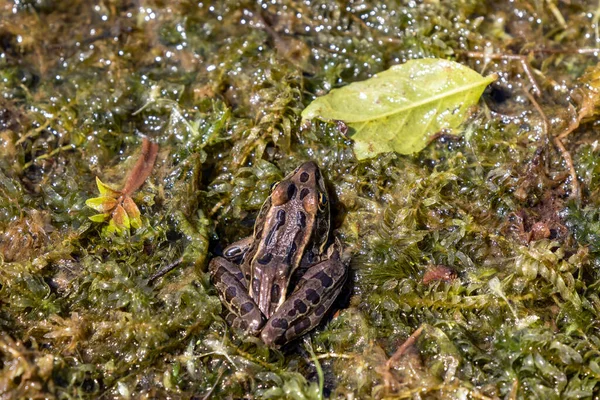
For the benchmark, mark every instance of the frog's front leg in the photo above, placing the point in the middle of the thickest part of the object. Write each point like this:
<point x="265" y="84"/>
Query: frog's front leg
<point x="237" y="250"/>
<point x="304" y="309"/>
<point x="231" y="286"/>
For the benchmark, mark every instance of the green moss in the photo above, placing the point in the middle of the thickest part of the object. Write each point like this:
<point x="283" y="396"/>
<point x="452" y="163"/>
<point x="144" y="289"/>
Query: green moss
<point x="221" y="95"/>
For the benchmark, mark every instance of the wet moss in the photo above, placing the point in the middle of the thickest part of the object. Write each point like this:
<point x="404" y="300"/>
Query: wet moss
<point x="220" y="88"/>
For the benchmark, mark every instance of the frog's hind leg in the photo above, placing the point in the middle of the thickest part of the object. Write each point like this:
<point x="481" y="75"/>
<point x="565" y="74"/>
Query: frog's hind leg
<point x="307" y="305"/>
<point x="231" y="286"/>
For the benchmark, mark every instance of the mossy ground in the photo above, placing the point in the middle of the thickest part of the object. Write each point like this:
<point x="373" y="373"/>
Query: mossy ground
<point x="220" y="86"/>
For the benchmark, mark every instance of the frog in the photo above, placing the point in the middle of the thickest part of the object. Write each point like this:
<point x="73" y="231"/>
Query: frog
<point x="280" y="282"/>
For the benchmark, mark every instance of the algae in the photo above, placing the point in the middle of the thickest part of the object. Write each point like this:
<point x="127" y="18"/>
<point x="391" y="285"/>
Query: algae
<point x="511" y="207"/>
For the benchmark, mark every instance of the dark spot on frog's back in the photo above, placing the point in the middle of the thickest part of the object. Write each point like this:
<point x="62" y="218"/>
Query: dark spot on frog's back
<point x="325" y="279"/>
<point x="301" y="218"/>
<point x="322" y="199"/>
<point x="279" y="323"/>
<point x="275" y="293"/>
<point x="291" y="191"/>
<point x="303" y="193"/>
<point x="302" y="325"/>
<point x="230" y="293"/>
<point x="313" y="296"/>
<point x="280" y="341"/>
<point x="320" y="310"/>
<point x="264" y="260"/>
<point x="304" y="177"/>
<point x="216" y="276"/>
<point x="239" y="275"/>
<point x="280" y="218"/>
<point x="291" y="252"/>
<point x="300" y="306"/>
<point x="246" y="308"/>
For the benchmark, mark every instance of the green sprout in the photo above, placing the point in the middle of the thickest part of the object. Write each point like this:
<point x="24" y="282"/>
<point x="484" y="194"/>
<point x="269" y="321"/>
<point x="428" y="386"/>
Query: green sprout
<point x="117" y="206"/>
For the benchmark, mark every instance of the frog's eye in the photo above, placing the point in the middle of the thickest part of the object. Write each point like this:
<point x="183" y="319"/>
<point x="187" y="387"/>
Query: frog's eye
<point x="322" y="200"/>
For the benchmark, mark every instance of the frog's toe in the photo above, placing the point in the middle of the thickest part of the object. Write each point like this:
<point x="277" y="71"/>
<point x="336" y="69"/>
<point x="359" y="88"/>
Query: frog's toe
<point x="251" y="326"/>
<point x="273" y="334"/>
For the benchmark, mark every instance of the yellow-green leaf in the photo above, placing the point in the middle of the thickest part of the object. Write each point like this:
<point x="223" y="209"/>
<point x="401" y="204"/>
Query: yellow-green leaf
<point x="106" y="190"/>
<point x="133" y="212"/>
<point x="112" y="228"/>
<point x="102" y="204"/>
<point x="100" y="217"/>
<point x="401" y="108"/>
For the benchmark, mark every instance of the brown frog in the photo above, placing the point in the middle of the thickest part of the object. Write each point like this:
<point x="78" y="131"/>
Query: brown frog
<point x="280" y="281"/>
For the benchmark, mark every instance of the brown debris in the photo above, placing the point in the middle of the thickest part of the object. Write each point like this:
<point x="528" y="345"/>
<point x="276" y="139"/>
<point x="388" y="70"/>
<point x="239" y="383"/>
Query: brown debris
<point x="437" y="273"/>
<point x="542" y="221"/>
<point x="26" y="237"/>
<point x="392" y="381"/>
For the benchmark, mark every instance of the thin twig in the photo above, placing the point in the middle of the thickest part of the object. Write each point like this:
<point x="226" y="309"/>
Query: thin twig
<point x="536" y="105"/>
<point x="212" y="389"/>
<point x="402" y="349"/>
<point x="594" y="22"/>
<point x="216" y="208"/>
<point x="476" y="395"/>
<point x="522" y="59"/>
<point x="556" y="12"/>
<point x="572" y="126"/>
<point x="163" y="271"/>
<point x="584" y="50"/>
<point x="575" y="190"/>
<point x="386" y="369"/>
<point x="33" y="132"/>
<point x="256" y="360"/>
<point x="589" y="100"/>
<point x="335" y="355"/>
<point x="514" y="390"/>
<point x="48" y="155"/>
<point x="249" y="149"/>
